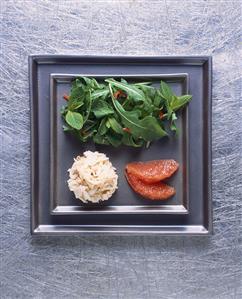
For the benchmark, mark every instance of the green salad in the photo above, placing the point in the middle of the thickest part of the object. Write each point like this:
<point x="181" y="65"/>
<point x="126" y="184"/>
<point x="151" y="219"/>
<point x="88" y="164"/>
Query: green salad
<point x="117" y="112"/>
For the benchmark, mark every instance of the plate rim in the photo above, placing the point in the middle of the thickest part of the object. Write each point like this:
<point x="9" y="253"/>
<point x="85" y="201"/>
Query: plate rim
<point x="202" y="60"/>
<point x="117" y="230"/>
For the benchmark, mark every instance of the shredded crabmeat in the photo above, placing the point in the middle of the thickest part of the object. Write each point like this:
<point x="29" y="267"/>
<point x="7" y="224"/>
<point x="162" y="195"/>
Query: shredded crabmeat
<point x="92" y="177"/>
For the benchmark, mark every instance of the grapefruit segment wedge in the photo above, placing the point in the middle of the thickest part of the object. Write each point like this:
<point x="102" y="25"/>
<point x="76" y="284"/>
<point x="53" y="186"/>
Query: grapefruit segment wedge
<point x="152" y="171"/>
<point x="154" y="191"/>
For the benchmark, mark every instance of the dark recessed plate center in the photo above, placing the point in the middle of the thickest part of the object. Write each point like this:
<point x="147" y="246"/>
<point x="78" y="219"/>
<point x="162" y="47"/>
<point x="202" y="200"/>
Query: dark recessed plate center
<point x="65" y="147"/>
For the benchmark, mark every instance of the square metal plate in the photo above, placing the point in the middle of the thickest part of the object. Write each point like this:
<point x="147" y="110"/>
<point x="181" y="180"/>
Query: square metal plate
<point x="193" y="150"/>
<point x="64" y="147"/>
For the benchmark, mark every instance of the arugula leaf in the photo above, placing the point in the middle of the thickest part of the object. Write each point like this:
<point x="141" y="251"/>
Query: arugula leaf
<point x="74" y="119"/>
<point x="95" y="83"/>
<point x="102" y="93"/>
<point x="114" y="139"/>
<point x="76" y="105"/>
<point x="173" y="116"/>
<point x="77" y="83"/>
<point x="77" y="90"/>
<point x="123" y="81"/>
<point x="88" y="106"/>
<point x="169" y="108"/>
<point x="149" y="91"/>
<point x="77" y="95"/>
<point x="146" y="107"/>
<point x="153" y="129"/>
<point x="166" y="91"/>
<point x="97" y="138"/>
<point x="173" y="124"/>
<point x="157" y="100"/>
<point x="179" y="102"/>
<point x="147" y="128"/>
<point x="63" y="110"/>
<point x="101" y="108"/>
<point x="90" y="125"/>
<point x="173" y="102"/>
<point x="88" y="135"/>
<point x="135" y="113"/>
<point x="129" y="140"/>
<point x="89" y="130"/>
<point x="91" y="82"/>
<point x="131" y="90"/>
<point x="102" y="130"/>
<point x="75" y="102"/>
<point x="67" y="128"/>
<point x="115" y="126"/>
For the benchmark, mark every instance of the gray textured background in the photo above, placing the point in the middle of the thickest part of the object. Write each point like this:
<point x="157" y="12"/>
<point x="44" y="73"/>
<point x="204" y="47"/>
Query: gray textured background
<point x="120" y="267"/>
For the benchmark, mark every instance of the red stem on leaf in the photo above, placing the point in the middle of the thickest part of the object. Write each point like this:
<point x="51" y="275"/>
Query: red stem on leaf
<point x="66" y="97"/>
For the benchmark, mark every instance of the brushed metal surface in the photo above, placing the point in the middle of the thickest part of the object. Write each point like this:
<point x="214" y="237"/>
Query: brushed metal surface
<point x="107" y="267"/>
<point x="191" y="149"/>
